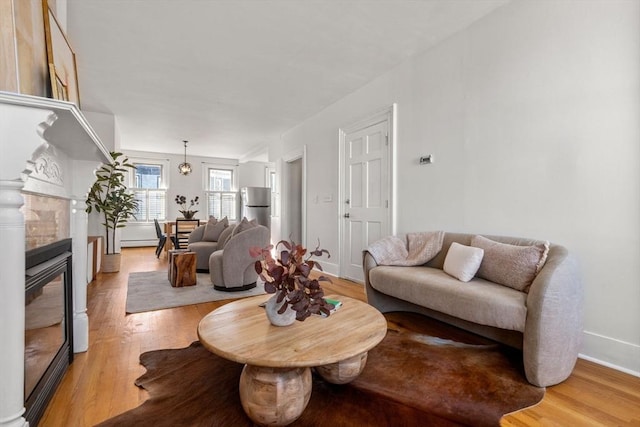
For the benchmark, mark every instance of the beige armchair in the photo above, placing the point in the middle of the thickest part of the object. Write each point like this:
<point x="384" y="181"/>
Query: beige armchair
<point x="204" y="248"/>
<point x="232" y="268"/>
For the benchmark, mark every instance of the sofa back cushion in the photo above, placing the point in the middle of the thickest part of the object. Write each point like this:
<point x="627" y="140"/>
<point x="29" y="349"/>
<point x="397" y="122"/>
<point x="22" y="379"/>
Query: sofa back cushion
<point x="511" y="265"/>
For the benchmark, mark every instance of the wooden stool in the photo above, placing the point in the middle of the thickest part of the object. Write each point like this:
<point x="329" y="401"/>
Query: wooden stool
<point x="170" y="255"/>
<point x="182" y="268"/>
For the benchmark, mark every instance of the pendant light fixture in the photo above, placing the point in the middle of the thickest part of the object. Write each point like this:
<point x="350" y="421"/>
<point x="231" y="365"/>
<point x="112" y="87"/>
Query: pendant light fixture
<point x="185" y="167"/>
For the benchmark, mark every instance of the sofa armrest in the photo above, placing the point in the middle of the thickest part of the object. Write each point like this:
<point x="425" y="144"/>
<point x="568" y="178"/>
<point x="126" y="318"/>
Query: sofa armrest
<point x="553" y="329"/>
<point x="374" y="297"/>
<point x="236" y="257"/>
<point x="197" y="234"/>
<point x="368" y="262"/>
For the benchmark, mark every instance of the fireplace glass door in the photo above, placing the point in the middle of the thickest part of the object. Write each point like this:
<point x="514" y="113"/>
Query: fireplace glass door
<point x="45" y="330"/>
<point x="48" y="324"/>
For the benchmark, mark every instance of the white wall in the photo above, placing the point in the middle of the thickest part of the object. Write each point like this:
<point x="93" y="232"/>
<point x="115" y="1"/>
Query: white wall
<point x="532" y="115"/>
<point x="105" y="126"/>
<point x="252" y="174"/>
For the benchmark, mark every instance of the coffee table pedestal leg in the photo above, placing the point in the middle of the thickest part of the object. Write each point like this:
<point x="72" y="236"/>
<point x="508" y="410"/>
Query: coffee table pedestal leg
<point x="343" y="371"/>
<point x="274" y="396"/>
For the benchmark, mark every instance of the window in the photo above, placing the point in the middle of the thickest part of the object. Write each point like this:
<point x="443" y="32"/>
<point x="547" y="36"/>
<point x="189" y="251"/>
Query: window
<point x="147" y="184"/>
<point x="220" y="188"/>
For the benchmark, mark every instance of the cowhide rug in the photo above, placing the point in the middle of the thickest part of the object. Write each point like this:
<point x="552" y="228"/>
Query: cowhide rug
<point x="422" y="373"/>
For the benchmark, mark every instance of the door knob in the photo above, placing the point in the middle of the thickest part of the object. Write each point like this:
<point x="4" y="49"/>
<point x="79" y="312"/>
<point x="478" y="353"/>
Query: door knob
<point x="347" y="215"/>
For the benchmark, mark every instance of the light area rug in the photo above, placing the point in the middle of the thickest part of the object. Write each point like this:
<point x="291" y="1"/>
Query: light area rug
<point x="151" y="290"/>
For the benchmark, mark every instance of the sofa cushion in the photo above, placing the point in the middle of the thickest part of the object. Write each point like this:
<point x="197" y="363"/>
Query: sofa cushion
<point x="213" y="229"/>
<point x="478" y="301"/>
<point x="245" y="224"/>
<point x="462" y="262"/>
<point x="510" y="265"/>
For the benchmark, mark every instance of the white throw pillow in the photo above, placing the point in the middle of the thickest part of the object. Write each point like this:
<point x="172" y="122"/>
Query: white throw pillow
<point x="462" y="262"/>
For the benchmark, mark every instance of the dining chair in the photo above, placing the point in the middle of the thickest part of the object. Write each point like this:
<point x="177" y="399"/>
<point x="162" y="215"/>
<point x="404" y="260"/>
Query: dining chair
<point x="162" y="238"/>
<point x="184" y="227"/>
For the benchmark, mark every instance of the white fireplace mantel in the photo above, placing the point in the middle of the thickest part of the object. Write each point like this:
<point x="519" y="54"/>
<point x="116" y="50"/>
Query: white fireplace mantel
<point x="30" y="127"/>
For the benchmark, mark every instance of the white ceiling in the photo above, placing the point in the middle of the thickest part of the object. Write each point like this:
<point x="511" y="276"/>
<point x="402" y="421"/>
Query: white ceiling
<point x="231" y="76"/>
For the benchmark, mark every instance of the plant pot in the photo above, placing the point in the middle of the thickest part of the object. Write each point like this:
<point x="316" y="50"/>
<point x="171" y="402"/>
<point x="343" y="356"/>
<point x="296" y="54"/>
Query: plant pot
<point x="271" y="309"/>
<point x="111" y="263"/>
<point x="188" y="214"/>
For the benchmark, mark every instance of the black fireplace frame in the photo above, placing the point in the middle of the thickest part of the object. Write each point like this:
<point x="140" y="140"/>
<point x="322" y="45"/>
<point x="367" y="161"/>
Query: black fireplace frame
<point x="56" y="259"/>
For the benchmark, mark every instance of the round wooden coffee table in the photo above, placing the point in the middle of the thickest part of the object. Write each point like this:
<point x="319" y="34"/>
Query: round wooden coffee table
<point x="275" y="384"/>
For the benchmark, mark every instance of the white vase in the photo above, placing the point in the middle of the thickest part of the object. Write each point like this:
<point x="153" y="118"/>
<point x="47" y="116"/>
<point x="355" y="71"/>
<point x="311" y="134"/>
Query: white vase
<point x="271" y="309"/>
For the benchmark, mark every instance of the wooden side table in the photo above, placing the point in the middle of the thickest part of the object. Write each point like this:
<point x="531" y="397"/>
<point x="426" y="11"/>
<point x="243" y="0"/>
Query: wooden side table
<point x="182" y="268"/>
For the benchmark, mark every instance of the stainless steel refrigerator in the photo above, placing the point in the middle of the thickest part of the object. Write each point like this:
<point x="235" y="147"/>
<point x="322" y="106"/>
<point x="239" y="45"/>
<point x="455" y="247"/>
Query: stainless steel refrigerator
<point x="256" y="204"/>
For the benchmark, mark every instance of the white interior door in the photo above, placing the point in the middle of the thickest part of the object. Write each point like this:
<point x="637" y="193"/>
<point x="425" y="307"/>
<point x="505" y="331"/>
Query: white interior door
<point x="366" y="194"/>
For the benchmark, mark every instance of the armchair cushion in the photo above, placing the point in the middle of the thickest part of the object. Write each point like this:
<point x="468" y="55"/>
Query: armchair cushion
<point x="214" y="228"/>
<point x="225" y="236"/>
<point x="245" y="224"/>
<point x="196" y="234"/>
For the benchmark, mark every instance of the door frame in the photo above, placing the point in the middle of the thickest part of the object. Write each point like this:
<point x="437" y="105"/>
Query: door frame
<point x="284" y="205"/>
<point x="388" y="114"/>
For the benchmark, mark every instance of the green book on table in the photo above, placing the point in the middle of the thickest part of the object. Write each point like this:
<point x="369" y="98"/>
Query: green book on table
<point x="336" y="303"/>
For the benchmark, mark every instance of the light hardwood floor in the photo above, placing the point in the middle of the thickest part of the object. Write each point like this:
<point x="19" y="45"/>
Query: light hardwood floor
<point x="100" y="382"/>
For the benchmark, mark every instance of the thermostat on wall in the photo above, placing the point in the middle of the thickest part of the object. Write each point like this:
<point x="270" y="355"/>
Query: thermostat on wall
<point x="425" y="160"/>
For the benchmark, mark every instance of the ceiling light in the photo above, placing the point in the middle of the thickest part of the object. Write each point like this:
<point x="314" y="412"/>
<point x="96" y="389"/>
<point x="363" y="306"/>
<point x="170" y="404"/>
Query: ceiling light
<point x="185" y="167"/>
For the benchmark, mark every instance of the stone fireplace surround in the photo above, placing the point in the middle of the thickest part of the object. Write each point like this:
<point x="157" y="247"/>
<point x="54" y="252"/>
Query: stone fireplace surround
<point x="47" y="147"/>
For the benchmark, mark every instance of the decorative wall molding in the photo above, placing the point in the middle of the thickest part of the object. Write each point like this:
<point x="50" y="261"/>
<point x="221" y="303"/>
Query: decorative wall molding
<point x="49" y="173"/>
<point x="47" y="168"/>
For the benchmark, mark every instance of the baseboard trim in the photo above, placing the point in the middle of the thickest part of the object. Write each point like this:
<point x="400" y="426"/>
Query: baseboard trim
<point x="609" y="365"/>
<point x="611" y="352"/>
<point x="329" y="268"/>
<point x="138" y="243"/>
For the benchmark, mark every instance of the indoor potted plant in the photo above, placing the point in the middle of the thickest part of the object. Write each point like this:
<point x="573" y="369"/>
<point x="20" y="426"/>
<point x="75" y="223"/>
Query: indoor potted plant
<point x="296" y="295"/>
<point x="110" y="197"/>
<point x="186" y="210"/>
